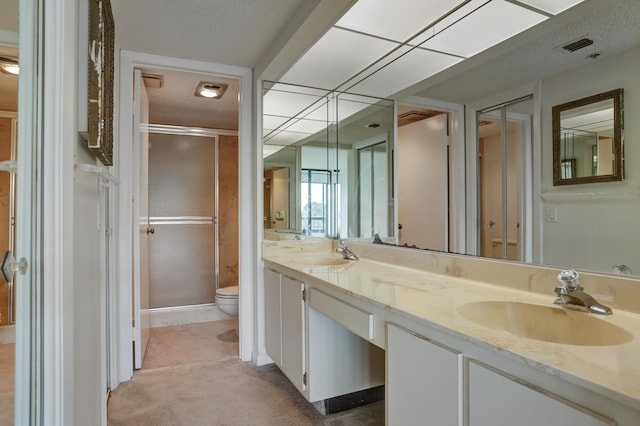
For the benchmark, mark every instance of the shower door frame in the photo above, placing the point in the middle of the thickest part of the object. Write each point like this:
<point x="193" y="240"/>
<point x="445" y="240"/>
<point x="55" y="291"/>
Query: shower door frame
<point x="205" y="133"/>
<point x="528" y="161"/>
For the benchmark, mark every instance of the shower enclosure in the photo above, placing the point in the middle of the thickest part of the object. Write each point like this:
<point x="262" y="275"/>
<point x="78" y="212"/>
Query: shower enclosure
<point x="193" y="215"/>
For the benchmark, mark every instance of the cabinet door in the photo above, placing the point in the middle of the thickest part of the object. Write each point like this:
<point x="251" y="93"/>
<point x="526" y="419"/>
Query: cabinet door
<point x="273" y="322"/>
<point x="495" y="399"/>
<point x="423" y="380"/>
<point x="293" y="330"/>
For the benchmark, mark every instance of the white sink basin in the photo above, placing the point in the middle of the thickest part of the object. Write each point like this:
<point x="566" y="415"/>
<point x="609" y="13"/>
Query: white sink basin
<point x="545" y="323"/>
<point x="323" y="261"/>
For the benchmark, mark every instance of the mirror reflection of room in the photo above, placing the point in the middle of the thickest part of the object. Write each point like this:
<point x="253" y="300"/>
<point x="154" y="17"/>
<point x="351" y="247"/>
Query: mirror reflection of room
<point x="588" y="139"/>
<point x="478" y="196"/>
<point x="9" y="72"/>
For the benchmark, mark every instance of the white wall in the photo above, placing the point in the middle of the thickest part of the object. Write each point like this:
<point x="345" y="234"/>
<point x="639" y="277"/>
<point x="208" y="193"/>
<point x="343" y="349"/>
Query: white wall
<point x="594" y="232"/>
<point x="71" y="268"/>
<point x="280" y="194"/>
<point x="87" y="266"/>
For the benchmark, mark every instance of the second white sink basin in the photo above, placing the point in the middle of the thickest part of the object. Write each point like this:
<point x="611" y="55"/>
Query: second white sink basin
<point x="323" y="261"/>
<point x="545" y="323"/>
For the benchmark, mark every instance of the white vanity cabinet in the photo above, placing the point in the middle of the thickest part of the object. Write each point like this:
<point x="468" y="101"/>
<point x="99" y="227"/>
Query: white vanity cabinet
<point x="293" y="331"/>
<point x="285" y="325"/>
<point x="424" y="380"/>
<point x="497" y="399"/>
<point x="318" y="354"/>
<point x="273" y="315"/>
<point x="436" y="378"/>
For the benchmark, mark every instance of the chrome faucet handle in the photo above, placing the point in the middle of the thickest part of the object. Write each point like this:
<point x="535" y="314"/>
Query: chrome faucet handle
<point x="570" y="280"/>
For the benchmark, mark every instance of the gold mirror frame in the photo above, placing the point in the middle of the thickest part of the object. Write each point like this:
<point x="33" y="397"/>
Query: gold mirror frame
<point x="618" y="145"/>
<point x="100" y="90"/>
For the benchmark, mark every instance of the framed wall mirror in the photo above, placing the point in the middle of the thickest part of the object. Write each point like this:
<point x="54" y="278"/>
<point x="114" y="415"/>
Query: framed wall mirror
<point x="588" y="139"/>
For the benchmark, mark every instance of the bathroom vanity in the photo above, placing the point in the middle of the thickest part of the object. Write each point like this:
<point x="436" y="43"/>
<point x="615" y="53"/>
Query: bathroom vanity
<point x="451" y="344"/>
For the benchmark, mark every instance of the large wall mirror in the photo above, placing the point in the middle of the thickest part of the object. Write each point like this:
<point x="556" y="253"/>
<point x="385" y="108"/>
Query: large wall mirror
<point x="335" y="176"/>
<point x="587" y="139"/>
<point x="327" y="162"/>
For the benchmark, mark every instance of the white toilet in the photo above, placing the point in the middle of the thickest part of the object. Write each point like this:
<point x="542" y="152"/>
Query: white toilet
<point x="227" y="300"/>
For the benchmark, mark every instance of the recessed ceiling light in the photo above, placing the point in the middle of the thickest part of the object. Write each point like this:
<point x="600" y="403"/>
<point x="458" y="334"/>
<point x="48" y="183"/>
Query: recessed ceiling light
<point x="211" y="90"/>
<point x="9" y="66"/>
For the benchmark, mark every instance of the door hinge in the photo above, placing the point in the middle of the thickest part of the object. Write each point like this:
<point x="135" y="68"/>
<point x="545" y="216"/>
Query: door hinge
<point x="133" y="323"/>
<point x="304" y="379"/>
<point x="304" y="295"/>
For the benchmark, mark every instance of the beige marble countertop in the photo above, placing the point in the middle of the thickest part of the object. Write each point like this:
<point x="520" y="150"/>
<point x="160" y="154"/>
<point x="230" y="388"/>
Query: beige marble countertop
<point x="612" y="371"/>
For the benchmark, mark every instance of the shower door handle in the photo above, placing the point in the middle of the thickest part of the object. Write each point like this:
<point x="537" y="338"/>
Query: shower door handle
<point x="150" y="231"/>
<point x="10" y="266"/>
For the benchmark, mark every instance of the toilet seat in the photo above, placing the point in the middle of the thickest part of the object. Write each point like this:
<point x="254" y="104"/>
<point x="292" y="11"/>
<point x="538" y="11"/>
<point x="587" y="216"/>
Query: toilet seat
<point x="230" y="292"/>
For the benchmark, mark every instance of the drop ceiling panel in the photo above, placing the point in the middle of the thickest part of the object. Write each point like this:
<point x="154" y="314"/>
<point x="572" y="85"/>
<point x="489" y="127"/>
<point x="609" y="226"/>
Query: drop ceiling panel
<point x="552" y="6"/>
<point x="306" y="126"/>
<point x="289" y="104"/>
<point x="406" y="71"/>
<point x="392" y="20"/>
<point x="285" y="138"/>
<point x="336" y="57"/>
<point x="486" y="27"/>
<point x="268" y="150"/>
<point x="270" y="122"/>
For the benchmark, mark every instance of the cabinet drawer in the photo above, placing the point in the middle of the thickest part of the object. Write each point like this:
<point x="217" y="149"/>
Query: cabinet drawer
<point x="352" y="318"/>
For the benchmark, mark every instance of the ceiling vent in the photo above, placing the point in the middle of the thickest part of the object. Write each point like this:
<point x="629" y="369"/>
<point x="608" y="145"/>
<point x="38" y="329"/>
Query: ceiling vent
<point x="578" y="44"/>
<point x="413" y="116"/>
<point x="153" y="81"/>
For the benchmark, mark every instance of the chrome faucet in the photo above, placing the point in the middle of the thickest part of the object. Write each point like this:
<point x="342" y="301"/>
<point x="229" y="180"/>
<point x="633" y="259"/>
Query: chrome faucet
<point x="572" y="296"/>
<point x="344" y="250"/>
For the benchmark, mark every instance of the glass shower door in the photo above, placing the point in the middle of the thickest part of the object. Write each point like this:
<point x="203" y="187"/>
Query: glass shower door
<point x="182" y="197"/>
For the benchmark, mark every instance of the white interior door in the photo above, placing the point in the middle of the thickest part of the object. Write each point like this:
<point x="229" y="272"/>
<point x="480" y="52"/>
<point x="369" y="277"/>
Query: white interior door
<point x="140" y="216"/>
<point x="423" y="200"/>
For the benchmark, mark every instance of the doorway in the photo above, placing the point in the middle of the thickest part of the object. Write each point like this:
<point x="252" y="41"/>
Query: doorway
<point x="241" y="124"/>
<point x="423" y="179"/>
<point x="504" y="141"/>
<point x="186" y="174"/>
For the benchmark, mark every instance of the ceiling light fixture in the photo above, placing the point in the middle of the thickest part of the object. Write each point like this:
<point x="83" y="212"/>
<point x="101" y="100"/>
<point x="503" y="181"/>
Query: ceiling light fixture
<point x="9" y="66"/>
<point x="211" y="90"/>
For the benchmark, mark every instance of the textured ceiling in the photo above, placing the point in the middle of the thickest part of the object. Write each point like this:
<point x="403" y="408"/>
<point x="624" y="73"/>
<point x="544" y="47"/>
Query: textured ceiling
<point x="228" y="32"/>
<point x="239" y="32"/>
<point x="175" y="103"/>
<point x="231" y="32"/>
<point x="614" y="27"/>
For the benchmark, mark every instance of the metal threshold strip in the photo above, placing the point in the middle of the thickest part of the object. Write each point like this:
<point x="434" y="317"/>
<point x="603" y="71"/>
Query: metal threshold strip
<point x="181" y="220"/>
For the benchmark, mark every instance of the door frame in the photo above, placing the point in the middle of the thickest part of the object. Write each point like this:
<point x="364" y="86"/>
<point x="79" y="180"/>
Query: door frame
<point x="128" y="61"/>
<point x="530" y="164"/>
<point x="458" y="173"/>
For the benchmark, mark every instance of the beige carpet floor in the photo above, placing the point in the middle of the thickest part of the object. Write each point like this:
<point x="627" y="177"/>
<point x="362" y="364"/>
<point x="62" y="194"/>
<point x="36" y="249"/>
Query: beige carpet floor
<point x="192" y="376"/>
